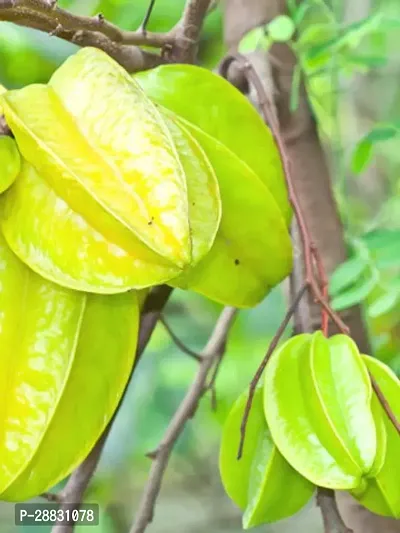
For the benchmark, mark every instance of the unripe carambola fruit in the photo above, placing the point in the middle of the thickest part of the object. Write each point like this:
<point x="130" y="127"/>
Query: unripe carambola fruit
<point x="381" y="495"/>
<point x="317" y="401"/>
<point x="65" y="360"/>
<point x="111" y="197"/>
<point x="261" y="483"/>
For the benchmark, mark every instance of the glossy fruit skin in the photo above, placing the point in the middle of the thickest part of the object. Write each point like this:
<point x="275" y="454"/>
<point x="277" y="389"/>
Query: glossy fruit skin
<point x="225" y="106"/>
<point x="136" y="203"/>
<point x="255" y="207"/>
<point x="382" y="492"/>
<point x="317" y="402"/>
<point x="10" y="162"/>
<point x="261" y="483"/>
<point x="65" y="360"/>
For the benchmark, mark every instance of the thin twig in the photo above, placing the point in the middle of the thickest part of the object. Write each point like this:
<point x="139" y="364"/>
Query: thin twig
<point x="143" y="27"/>
<point x="333" y="522"/>
<point x="260" y="370"/>
<point x="185" y="411"/>
<point x="385" y="404"/>
<point x="185" y="349"/>
<point x="79" y="480"/>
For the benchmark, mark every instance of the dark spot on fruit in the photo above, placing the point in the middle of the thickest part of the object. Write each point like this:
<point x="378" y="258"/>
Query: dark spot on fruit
<point x="150" y="222"/>
<point x="237" y="262"/>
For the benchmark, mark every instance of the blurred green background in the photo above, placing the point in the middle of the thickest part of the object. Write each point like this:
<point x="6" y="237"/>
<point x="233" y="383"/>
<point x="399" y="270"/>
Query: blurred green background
<point x="348" y="55"/>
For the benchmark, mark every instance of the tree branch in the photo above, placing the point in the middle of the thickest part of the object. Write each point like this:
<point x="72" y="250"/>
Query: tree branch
<point x="79" y="480"/>
<point x="211" y="353"/>
<point x="188" y="30"/>
<point x="21" y="10"/>
<point x="333" y="522"/>
<point x="122" y="45"/>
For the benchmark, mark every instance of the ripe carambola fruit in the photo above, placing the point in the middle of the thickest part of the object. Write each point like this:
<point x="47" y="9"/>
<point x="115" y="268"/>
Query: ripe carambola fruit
<point x="112" y="197"/>
<point x="317" y="402"/>
<point x="261" y="483"/>
<point x="65" y="360"/>
<point x="10" y="162"/>
<point x="382" y="493"/>
<point x="252" y="251"/>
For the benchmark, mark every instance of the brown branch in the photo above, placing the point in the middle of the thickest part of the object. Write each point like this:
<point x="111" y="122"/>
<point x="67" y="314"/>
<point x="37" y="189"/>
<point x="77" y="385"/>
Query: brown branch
<point x="261" y="368"/>
<point x="185" y="411"/>
<point x="22" y="9"/>
<point x="79" y="480"/>
<point x="185" y="46"/>
<point x="333" y="522"/>
<point x="122" y="45"/>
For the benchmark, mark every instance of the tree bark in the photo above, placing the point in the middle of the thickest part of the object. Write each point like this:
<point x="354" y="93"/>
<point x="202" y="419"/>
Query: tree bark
<point x="313" y="188"/>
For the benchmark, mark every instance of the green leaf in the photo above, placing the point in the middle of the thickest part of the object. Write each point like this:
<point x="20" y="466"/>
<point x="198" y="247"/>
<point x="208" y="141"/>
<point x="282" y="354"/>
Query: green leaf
<point x="355" y="295"/>
<point x="381" y="238"/>
<point x="383" y="304"/>
<point x="362" y="156"/>
<point x="317" y="397"/>
<point x="252" y="202"/>
<point x="262" y="483"/>
<point x="255" y="39"/>
<point x="346" y="274"/>
<point x="350" y="37"/>
<point x="281" y="29"/>
<point x="382" y="493"/>
<point x="66" y="359"/>
<point x="382" y="133"/>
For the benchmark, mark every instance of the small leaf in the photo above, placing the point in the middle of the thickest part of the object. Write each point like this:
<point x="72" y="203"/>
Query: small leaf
<point x="281" y="28"/>
<point x="382" y="133"/>
<point x="363" y="152"/>
<point x="255" y="39"/>
<point x="346" y="274"/>
<point x="355" y="295"/>
<point x="362" y="156"/>
<point x="383" y="304"/>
